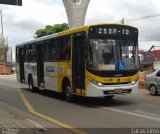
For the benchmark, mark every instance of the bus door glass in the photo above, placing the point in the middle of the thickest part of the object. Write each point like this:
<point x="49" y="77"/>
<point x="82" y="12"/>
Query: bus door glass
<point x="78" y="62"/>
<point x="40" y="63"/>
<point x="21" y="63"/>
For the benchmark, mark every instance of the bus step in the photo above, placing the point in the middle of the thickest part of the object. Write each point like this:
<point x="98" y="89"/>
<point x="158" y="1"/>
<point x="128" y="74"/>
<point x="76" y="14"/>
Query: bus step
<point x="41" y="88"/>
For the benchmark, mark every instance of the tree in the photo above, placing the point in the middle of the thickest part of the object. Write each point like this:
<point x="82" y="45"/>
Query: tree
<point x="51" y="29"/>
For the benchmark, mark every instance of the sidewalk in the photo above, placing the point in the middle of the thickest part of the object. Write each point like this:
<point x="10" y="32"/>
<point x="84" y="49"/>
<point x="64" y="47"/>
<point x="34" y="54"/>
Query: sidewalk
<point x="16" y="121"/>
<point x="13" y="119"/>
<point x="9" y="77"/>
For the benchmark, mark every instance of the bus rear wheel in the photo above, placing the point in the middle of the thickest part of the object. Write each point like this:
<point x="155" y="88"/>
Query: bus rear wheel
<point x="30" y="84"/>
<point x="68" y="92"/>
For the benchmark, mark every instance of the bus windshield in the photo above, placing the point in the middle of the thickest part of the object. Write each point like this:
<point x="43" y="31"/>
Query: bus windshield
<point x="106" y="54"/>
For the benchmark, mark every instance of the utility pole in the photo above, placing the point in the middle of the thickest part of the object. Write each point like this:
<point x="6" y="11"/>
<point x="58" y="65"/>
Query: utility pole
<point x="122" y="20"/>
<point x="11" y="56"/>
<point x="2" y="23"/>
<point x="2" y="40"/>
<point x="6" y="48"/>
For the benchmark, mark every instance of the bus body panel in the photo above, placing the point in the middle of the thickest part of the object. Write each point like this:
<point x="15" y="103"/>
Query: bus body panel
<point x="55" y="72"/>
<point x="95" y="91"/>
<point x="50" y="76"/>
<point x="109" y="84"/>
<point x="31" y="69"/>
<point x="63" y="71"/>
<point x="115" y="80"/>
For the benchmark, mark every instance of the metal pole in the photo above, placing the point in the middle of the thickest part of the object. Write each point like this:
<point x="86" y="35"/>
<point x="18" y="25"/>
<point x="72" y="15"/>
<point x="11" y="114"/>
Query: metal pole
<point x="122" y="20"/>
<point x="3" y="48"/>
<point x="11" y="55"/>
<point x="2" y="24"/>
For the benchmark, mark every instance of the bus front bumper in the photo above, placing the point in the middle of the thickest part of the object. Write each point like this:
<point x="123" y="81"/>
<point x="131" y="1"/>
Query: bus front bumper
<point x="96" y="91"/>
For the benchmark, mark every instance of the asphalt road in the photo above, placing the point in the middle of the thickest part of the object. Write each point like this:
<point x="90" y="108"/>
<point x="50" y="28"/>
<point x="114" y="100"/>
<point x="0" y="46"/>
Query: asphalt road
<point x="89" y="115"/>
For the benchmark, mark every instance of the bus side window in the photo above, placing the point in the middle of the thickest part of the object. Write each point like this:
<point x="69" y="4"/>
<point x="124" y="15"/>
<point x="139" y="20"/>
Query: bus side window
<point x="52" y="50"/>
<point x="27" y="53"/>
<point x="66" y="48"/>
<point x="55" y="50"/>
<point x="32" y="50"/>
<point x="48" y="52"/>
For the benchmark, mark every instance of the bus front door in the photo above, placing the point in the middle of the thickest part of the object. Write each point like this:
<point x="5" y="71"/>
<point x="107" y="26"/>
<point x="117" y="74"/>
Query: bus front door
<point x="21" y="64"/>
<point x="40" y="65"/>
<point x="78" y="64"/>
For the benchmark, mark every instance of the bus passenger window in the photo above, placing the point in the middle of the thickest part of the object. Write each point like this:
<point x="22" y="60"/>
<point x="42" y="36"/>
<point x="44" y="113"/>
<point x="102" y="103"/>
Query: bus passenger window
<point x="52" y="50"/>
<point x="55" y="50"/>
<point x="66" y="49"/>
<point x="32" y="50"/>
<point x="27" y="53"/>
<point x="48" y="52"/>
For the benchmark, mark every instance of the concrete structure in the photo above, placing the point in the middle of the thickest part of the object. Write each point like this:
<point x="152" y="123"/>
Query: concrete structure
<point x="76" y="12"/>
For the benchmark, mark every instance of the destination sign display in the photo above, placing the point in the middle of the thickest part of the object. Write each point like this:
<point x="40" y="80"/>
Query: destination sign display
<point x="113" y="30"/>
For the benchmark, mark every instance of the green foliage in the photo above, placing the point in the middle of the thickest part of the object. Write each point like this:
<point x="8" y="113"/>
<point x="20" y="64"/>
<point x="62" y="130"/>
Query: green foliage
<point x="51" y="30"/>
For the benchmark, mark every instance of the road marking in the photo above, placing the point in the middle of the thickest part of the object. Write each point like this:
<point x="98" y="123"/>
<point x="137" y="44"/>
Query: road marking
<point x="58" y="123"/>
<point x="36" y="124"/>
<point x="133" y="114"/>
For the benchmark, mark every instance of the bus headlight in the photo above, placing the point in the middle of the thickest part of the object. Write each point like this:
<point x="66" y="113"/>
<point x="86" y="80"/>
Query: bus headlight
<point x="99" y="84"/>
<point x="95" y="82"/>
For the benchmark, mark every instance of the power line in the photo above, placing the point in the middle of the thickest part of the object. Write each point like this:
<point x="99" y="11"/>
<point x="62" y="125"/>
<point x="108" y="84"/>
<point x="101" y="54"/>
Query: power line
<point x="144" y="17"/>
<point x="139" y="18"/>
<point x="145" y="41"/>
<point x="150" y="30"/>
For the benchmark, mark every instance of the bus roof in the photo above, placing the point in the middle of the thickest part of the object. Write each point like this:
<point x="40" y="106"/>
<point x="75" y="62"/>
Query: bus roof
<point x="70" y="31"/>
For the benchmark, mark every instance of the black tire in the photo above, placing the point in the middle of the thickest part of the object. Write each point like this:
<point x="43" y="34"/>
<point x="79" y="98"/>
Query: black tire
<point x="68" y="92"/>
<point x="30" y="84"/>
<point x="153" y="90"/>
<point x="109" y="97"/>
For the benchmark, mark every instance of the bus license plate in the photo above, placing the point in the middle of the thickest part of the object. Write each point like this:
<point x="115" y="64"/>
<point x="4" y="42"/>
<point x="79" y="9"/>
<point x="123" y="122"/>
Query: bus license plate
<point x="118" y="91"/>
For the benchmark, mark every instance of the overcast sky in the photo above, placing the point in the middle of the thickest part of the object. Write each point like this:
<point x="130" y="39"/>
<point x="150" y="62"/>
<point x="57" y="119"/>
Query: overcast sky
<point x="20" y="23"/>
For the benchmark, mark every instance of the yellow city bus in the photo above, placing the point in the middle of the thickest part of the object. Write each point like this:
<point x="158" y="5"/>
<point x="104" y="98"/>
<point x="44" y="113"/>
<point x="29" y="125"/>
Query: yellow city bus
<point x="93" y="61"/>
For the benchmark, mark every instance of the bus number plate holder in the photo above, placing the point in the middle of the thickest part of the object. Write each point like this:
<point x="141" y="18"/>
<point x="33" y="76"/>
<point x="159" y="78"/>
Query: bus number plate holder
<point x="118" y="90"/>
